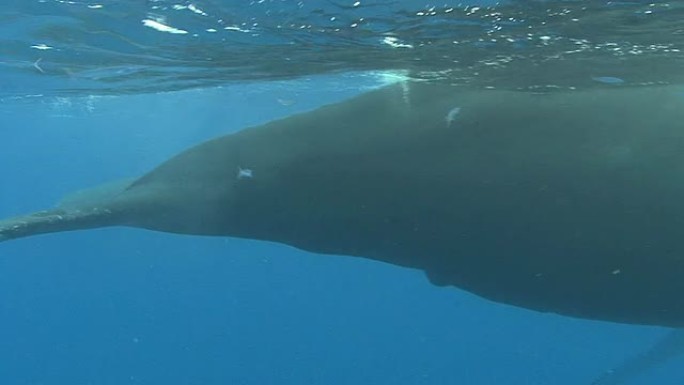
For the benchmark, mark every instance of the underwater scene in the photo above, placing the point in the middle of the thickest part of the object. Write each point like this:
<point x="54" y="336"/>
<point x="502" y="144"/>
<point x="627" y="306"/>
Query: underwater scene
<point x="341" y="192"/>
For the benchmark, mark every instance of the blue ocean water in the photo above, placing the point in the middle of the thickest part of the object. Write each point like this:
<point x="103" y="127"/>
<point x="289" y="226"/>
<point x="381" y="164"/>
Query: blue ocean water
<point x="126" y="306"/>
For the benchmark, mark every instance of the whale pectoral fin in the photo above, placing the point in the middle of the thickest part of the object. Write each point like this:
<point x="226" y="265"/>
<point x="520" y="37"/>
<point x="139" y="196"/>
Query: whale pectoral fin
<point x="51" y="221"/>
<point x="667" y="348"/>
<point x="84" y="209"/>
<point x="35" y="223"/>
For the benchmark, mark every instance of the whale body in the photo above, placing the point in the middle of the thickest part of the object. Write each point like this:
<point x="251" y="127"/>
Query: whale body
<point x="568" y="202"/>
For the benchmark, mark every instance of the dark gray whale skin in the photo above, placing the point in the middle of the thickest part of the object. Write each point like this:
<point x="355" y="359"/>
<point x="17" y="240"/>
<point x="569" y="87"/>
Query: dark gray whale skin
<point x="569" y="202"/>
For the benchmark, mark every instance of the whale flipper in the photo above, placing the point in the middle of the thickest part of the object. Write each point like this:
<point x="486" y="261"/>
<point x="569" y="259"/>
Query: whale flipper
<point x="52" y="221"/>
<point x="83" y="209"/>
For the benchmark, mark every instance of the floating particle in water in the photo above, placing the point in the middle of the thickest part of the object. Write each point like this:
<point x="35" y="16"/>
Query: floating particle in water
<point x="608" y="79"/>
<point x="451" y="115"/>
<point x="285" y="102"/>
<point x="37" y="66"/>
<point x="42" y="47"/>
<point x="244" y="173"/>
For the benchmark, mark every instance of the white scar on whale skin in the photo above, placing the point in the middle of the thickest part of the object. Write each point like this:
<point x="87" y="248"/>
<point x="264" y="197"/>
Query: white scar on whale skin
<point x="244" y="173"/>
<point x="451" y="115"/>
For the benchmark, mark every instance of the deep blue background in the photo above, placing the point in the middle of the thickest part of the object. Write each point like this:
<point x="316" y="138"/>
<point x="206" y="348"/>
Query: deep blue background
<point x="125" y="306"/>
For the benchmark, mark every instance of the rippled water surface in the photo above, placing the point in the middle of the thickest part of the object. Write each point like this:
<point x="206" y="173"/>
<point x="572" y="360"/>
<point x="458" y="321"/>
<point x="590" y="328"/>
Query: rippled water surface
<point x="58" y="47"/>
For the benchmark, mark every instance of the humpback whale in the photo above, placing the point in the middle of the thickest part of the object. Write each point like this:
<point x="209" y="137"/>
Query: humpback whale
<point x="569" y="202"/>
